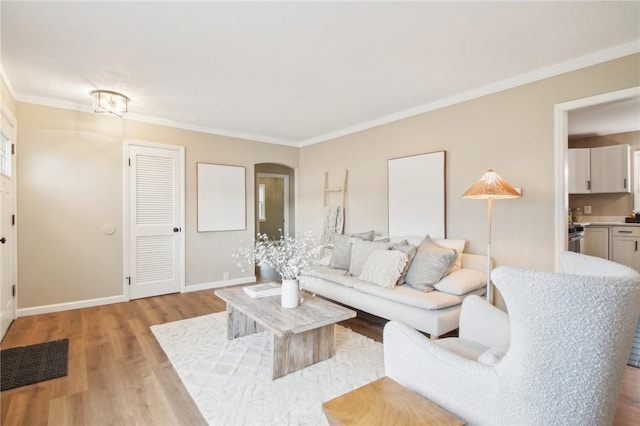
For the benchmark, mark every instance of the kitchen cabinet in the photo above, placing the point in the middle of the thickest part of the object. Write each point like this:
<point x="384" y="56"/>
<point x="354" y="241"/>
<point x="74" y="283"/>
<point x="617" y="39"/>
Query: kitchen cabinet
<point x="610" y="169"/>
<point x="624" y="246"/>
<point x="596" y="241"/>
<point x="599" y="170"/>
<point x="579" y="171"/>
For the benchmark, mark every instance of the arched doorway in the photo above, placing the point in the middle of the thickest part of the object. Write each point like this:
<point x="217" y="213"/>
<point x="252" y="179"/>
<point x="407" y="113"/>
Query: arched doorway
<point x="274" y="200"/>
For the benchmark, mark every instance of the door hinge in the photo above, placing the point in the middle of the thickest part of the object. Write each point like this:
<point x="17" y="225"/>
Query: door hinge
<point x="13" y="290"/>
<point x="129" y="162"/>
<point x="13" y="149"/>
<point x="13" y="220"/>
<point x="128" y="280"/>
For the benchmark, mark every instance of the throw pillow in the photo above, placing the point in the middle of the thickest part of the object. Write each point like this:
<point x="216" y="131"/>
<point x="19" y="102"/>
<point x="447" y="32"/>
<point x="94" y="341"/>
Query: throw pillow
<point x="367" y="236"/>
<point x="457" y="245"/>
<point x="410" y="251"/>
<point x="360" y="251"/>
<point x="383" y="267"/>
<point x="341" y="253"/>
<point x="429" y="265"/>
<point x="462" y="282"/>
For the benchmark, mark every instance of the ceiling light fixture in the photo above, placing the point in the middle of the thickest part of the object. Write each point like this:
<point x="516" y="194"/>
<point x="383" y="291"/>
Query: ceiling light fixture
<point x="106" y="101"/>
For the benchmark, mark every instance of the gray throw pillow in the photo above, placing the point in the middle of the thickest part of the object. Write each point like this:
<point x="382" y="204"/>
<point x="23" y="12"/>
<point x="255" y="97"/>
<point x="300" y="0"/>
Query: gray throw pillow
<point x="429" y="265"/>
<point x="341" y="253"/>
<point x="360" y="251"/>
<point x="410" y="251"/>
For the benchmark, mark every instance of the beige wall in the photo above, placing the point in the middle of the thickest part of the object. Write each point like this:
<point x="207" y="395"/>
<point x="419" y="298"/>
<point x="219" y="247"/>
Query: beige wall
<point x="511" y="132"/>
<point x="606" y="204"/>
<point x="70" y="185"/>
<point x="70" y="179"/>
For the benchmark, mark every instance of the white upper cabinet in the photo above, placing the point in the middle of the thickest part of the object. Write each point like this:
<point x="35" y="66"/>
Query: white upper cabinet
<point x="579" y="171"/>
<point x="599" y="170"/>
<point x="610" y="169"/>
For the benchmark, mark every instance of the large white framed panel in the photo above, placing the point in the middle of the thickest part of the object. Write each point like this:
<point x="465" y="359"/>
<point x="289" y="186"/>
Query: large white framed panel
<point x="221" y="197"/>
<point x="417" y="195"/>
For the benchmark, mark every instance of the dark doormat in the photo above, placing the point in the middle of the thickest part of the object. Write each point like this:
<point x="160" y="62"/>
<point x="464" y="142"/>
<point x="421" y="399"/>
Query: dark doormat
<point x="26" y="365"/>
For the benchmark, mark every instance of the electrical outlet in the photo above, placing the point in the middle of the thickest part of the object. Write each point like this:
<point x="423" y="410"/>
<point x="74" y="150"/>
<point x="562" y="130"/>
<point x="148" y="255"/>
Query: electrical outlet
<point x="225" y="276"/>
<point x="587" y="209"/>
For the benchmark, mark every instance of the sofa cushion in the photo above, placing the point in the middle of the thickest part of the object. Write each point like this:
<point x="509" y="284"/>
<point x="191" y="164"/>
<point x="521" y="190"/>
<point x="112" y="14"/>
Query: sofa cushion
<point x="429" y="265"/>
<point x="341" y="253"/>
<point x="410" y="296"/>
<point x="383" y="267"/>
<point x="462" y="281"/>
<point x="338" y="276"/>
<point x="360" y="251"/>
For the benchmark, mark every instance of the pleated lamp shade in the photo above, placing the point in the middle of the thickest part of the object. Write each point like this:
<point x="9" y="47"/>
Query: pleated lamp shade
<point x="493" y="186"/>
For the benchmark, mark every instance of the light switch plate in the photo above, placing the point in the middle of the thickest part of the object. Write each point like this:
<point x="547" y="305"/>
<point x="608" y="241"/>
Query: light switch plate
<point x="587" y="209"/>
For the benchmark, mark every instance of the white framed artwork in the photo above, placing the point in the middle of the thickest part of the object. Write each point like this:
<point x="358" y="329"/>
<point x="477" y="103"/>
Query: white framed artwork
<point x="417" y="195"/>
<point x="221" y="197"/>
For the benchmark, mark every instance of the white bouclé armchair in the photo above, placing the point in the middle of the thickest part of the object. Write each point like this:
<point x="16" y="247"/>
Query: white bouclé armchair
<point x="570" y="336"/>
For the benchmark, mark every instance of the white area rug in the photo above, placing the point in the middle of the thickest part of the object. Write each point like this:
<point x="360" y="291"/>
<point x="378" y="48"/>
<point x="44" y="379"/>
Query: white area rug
<point x="230" y="381"/>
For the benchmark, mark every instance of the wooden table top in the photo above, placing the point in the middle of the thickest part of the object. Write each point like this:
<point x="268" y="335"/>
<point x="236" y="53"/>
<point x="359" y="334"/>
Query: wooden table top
<point x="385" y="402"/>
<point x="313" y="313"/>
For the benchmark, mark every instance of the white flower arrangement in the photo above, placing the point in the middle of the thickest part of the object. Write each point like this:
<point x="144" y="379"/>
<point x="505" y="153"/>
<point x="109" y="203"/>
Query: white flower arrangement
<point x="289" y="256"/>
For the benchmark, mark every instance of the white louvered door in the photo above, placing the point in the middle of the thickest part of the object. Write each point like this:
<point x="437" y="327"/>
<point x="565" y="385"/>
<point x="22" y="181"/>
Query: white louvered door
<point x="156" y="242"/>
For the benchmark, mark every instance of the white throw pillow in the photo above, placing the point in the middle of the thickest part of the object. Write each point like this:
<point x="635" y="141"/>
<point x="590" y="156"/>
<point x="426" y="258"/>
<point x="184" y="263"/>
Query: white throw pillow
<point x="360" y="251"/>
<point x="462" y="282"/>
<point x="429" y="265"/>
<point x="384" y="267"/>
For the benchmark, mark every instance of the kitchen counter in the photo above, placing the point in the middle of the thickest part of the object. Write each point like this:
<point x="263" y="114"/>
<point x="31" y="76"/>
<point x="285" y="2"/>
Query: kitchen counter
<point x="607" y="224"/>
<point x="593" y="220"/>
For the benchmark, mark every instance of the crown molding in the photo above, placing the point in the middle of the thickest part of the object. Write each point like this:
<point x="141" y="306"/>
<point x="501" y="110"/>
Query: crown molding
<point x="7" y="82"/>
<point x="530" y="77"/>
<point x="56" y="103"/>
<point x="540" y="74"/>
<point x="209" y="130"/>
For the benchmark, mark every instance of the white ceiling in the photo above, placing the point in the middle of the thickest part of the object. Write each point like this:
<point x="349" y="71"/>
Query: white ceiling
<point x="298" y="72"/>
<point x="605" y="119"/>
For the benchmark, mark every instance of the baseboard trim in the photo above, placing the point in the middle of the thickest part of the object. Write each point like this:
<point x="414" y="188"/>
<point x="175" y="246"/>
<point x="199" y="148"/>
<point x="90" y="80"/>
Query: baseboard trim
<point x="219" y="284"/>
<point x="59" y="307"/>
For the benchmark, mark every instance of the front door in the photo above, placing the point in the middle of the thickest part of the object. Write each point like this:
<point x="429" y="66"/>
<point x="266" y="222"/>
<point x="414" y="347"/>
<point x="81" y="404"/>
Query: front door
<point x="7" y="224"/>
<point x="156" y="220"/>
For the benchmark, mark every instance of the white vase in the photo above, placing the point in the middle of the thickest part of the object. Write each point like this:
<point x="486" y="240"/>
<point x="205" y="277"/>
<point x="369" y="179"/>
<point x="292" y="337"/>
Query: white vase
<point x="289" y="297"/>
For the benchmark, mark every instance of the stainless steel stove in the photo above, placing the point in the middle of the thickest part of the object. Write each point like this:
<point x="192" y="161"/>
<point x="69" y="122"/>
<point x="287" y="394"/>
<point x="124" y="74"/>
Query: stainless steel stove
<point x="576" y="238"/>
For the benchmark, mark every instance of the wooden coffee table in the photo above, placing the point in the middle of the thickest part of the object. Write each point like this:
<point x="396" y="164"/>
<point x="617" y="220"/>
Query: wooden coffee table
<point x="300" y="336"/>
<point x="385" y="402"/>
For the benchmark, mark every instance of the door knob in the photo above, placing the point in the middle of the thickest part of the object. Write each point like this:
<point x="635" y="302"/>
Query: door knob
<point x="3" y="240"/>
<point x="177" y="229"/>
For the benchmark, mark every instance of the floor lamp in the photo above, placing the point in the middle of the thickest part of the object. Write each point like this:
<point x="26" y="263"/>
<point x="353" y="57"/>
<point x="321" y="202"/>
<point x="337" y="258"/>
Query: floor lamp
<point x="490" y="187"/>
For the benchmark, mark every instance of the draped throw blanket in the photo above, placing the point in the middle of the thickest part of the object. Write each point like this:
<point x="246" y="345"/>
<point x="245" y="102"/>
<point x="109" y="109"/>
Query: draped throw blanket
<point x="333" y="223"/>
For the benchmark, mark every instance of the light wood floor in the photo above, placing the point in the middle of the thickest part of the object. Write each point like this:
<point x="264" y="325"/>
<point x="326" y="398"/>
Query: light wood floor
<point x="119" y="375"/>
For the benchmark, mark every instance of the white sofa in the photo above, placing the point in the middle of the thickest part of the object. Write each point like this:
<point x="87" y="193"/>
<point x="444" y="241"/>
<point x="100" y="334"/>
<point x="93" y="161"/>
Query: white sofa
<point x="434" y="312"/>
